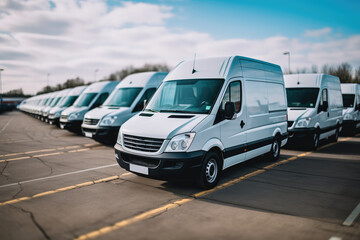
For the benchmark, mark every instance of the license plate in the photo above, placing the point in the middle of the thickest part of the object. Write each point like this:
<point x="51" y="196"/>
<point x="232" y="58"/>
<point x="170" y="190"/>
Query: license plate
<point x="88" y="134"/>
<point x="62" y="126"/>
<point x="139" y="169"/>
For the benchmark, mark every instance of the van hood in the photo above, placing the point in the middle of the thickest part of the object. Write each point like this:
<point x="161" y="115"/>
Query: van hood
<point x="296" y="113"/>
<point x="100" y="112"/>
<point x="80" y="110"/>
<point x="347" y="110"/>
<point x="161" y="125"/>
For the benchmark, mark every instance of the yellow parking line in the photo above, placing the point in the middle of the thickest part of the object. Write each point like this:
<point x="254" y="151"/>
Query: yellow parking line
<point x="48" y="154"/>
<point x="178" y="203"/>
<point x="14" y="159"/>
<point x="84" y="184"/>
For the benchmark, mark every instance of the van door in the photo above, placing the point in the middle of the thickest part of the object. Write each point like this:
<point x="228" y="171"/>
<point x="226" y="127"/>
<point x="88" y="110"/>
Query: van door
<point x="323" y="110"/>
<point x="233" y="132"/>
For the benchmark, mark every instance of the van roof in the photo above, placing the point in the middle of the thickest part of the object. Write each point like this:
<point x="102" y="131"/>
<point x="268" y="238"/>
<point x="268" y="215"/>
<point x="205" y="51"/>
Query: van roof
<point x="310" y="80"/>
<point x="142" y="79"/>
<point x="225" y="68"/>
<point x="99" y="86"/>
<point x="77" y="90"/>
<point x="350" y="88"/>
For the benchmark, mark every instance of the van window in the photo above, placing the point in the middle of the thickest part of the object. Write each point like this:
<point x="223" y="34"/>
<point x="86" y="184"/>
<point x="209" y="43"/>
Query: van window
<point x="302" y="97"/>
<point x="122" y="97"/>
<point x="233" y="94"/>
<point x="324" y="96"/>
<point x="276" y="97"/>
<point x="85" y="99"/>
<point x="101" y="99"/>
<point x="146" y="96"/>
<point x="348" y="100"/>
<point x="256" y="98"/>
<point x="186" y="96"/>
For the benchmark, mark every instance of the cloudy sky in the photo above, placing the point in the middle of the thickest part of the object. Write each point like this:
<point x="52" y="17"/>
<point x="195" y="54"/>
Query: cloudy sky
<point x="72" y="38"/>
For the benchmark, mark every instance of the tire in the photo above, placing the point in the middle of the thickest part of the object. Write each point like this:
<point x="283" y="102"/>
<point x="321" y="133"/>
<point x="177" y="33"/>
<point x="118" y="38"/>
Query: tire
<point x="210" y="171"/>
<point x="315" y="141"/>
<point x="335" y="137"/>
<point x="275" y="149"/>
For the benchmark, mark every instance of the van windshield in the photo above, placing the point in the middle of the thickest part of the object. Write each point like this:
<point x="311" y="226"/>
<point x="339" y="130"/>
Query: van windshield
<point x="68" y="101"/>
<point x="122" y="97"/>
<point x="186" y="96"/>
<point x="54" y="102"/>
<point x="302" y="97"/>
<point x="85" y="99"/>
<point x="348" y="100"/>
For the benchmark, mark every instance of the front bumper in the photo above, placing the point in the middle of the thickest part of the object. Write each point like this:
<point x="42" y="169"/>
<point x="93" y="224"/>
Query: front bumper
<point x="100" y="132"/>
<point x="71" y="125"/>
<point x="301" y="133"/>
<point x="165" y="166"/>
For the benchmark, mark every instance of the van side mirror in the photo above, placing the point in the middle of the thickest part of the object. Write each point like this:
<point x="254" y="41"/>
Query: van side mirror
<point x="324" y="107"/>
<point x="230" y="110"/>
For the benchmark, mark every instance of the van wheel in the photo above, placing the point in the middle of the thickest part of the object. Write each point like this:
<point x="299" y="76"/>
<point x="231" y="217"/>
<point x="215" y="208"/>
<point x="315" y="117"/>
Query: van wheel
<point x="315" y="141"/>
<point x="334" y="138"/>
<point x="275" y="149"/>
<point x="210" y="171"/>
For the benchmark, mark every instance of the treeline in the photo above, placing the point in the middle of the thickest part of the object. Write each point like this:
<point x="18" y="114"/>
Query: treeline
<point x="116" y="76"/>
<point x="15" y="93"/>
<point x="344" y="71"/>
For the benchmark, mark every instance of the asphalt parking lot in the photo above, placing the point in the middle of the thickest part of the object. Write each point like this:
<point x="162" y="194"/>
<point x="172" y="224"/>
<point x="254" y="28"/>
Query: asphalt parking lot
<point x="57" y="185"/>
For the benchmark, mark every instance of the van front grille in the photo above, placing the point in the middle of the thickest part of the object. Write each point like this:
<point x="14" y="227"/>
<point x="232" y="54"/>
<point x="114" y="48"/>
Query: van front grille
<point x="91" y="121"/>
<point x="64" y="117"/>
<point x="290" y="123"/>
<point x="143" y="144"/>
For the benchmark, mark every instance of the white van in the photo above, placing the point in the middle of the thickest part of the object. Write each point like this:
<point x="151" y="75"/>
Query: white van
<point x="207" y="118"/>
<point x="351" y="111"/>
<point x="60" y="95"/>
<point x="103" y="123"/>
<point x="92" y="97"/>
<point x="314" y="107"/>
<point x="67" y="101"/>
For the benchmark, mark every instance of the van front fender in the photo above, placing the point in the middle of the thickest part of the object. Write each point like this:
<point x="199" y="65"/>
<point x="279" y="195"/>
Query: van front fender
<point x="214" y="142"/>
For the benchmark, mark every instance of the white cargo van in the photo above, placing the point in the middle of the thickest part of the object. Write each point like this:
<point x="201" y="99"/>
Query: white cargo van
<point x="314" y="107"/>
<point x="351" y="111"/>
<point x="92" y="97"/>
<point x="207" y="116"/>
<point x="125" y="101"/>
<point x="55" y="112"/>
<point x="60" y="95"/>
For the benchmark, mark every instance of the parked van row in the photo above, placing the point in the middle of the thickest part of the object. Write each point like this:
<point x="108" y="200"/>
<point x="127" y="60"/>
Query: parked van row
<point x="205" y="115"/>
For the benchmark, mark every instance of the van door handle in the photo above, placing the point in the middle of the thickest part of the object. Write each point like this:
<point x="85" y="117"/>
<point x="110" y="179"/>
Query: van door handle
<point x="242" y="124"/>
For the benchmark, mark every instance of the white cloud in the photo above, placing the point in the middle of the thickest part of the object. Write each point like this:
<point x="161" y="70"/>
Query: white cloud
<point x="73" y="38"/>
<point x="318" y="32"/>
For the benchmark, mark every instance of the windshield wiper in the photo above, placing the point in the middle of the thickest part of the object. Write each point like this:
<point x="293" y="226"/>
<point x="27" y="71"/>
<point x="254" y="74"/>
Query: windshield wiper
<point x="151" y="110"/>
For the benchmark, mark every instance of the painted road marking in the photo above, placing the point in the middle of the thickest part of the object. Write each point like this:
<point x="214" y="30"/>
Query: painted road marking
<point x="59" y="175"/>
<point x="6" y="125"/>
<point x="50" y="154"/>
<point x="52" y="149"/>
<point x="84" y="184"/>
<point x="153" y="212"/>
<point x="352" y="217"/>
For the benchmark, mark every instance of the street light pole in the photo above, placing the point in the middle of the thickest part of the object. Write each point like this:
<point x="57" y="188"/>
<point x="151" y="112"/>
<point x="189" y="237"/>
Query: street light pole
<point x="47" y="79"/>
<point x="96" y="70"/>
<point x="1" y="69"/>
<point x="288" y="53"/>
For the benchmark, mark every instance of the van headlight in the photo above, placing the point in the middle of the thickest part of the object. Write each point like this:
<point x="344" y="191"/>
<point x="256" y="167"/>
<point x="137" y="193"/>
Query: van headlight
<point x="303" y="123"/>
<point x="347" y="116"/>
<point x="108" y="121"/>
<point x="73" y="116"/>
<point x="180" y="143"/>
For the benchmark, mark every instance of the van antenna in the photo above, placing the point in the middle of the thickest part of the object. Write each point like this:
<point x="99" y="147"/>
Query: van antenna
<point x="193" y="70"/>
